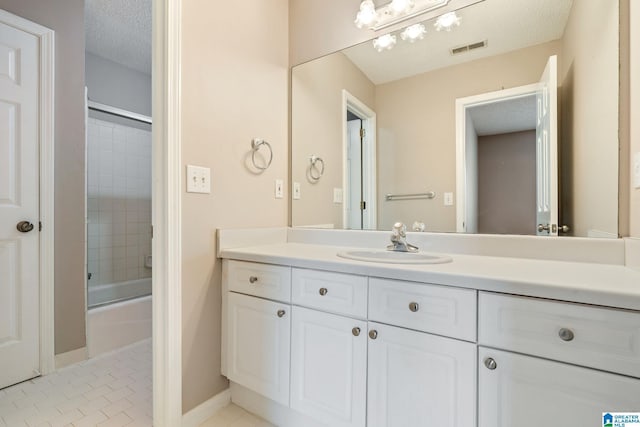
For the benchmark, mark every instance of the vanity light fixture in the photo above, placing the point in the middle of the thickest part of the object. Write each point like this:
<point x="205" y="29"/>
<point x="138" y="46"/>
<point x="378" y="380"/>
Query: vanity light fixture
<point x="447" y="21"/>
<point x="401" y="7"/>
<point x="413" y="32"/>
<point x="387" y="41"/>
<point x="367" y="16"/>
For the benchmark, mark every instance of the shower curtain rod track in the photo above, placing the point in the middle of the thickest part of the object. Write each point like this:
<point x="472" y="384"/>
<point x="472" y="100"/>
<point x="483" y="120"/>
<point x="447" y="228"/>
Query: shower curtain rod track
<point x="96" y="106"/>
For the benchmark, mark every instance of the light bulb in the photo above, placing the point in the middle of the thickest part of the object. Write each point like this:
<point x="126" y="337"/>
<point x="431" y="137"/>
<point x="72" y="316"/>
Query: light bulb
<point x="367" y="16"/>
<point x="447" y="21"/>
<point x="386" y="41"/>
<point x="398" y="7"/>
<point x="413" y="33"/>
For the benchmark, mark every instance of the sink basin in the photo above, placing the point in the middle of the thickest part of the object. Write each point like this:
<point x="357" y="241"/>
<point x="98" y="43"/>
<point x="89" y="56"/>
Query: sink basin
<point x="395" y="257"/>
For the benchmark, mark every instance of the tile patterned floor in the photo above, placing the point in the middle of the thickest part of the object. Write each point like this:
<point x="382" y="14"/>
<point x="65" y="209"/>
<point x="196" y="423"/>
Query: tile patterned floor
<point x="108" y="391"/>
<point x="234" y="416"/>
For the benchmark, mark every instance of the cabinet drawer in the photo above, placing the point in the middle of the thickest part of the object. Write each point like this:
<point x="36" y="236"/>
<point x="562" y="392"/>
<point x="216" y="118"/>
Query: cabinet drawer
<point x="439" y="310"/>
<point x="601" y="338"/>
<point x="261" y="280"/>
<point x="333" y="292"/>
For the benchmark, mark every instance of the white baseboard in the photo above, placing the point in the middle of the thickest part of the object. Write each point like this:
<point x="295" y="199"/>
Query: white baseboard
<point x="206" y="410"/>
<point x="71" y="357"/>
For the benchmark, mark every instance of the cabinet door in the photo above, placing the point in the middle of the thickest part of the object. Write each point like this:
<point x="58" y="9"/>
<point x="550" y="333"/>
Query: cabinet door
<point x="524" y="391"/>
<point x="258" y="345"/>
<point x="420" y="380"/>
<point x="329" y="367"/>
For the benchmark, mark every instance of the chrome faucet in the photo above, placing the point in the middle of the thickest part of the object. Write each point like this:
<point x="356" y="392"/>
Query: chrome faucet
<point x="399" y="239"/>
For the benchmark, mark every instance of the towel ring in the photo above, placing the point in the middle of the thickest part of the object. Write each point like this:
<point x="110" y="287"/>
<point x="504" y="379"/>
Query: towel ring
<point x="314" y="160"/>
<point x="256" y="143"/>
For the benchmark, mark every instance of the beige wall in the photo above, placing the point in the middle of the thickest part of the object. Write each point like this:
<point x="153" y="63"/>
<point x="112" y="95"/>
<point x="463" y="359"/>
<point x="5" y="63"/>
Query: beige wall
<point x="316" y="128"/>
<point x="507" y="183"/>
<point x="634" y="212"/>
<point x="416" y="130"/>
<point x="66" y="18"/>
<point x="590" y="84"/>
<point x="234" y="88"/>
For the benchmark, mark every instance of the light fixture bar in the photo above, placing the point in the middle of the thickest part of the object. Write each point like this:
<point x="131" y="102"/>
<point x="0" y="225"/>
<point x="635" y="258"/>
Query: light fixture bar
<point x="429" y="8"/>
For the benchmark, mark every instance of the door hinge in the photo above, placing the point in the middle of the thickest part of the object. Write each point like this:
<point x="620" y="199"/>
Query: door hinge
<point x="363" y="205"/>
<point x="39" y="225"/>
<point x="362" y="132"/>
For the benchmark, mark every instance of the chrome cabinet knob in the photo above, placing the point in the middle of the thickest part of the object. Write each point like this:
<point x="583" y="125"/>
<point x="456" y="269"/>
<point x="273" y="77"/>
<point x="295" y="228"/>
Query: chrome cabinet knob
<point x="414" y="306"/>
<point x="281" y="313"/>
<point x="323" y="291"/>
<point x="566" y="334"/>
<point x="490" y="363"/>
<point x="24" y="226"/>
<point x="373" y="334"/>
<point x="543" y="227"/>
<point x="253" y="279"/>
<point x="355" y="331"/>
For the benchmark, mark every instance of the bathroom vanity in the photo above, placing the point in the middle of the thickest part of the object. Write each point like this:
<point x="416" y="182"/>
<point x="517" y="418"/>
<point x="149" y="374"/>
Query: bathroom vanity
<point x="310" y="338"/>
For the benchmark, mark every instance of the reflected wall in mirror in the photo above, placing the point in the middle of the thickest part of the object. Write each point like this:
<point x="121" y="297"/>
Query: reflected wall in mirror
<point x="408" y="143"/>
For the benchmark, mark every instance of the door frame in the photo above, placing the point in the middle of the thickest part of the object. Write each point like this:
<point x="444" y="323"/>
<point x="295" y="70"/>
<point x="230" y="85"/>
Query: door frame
<point x="369" y="178"/>
<point x="166" y="214"/>
<point x="463" y="193"/>
<point x="46" y="72"/>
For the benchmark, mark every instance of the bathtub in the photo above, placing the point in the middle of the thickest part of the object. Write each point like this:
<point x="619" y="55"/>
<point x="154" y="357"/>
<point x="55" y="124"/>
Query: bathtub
<point x="116" y="325"/>
<point x="100" y="295"/>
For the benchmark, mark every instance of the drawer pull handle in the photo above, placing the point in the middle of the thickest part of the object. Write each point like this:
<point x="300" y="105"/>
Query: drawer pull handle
<point x="355" y="331"/>
<point x="414" y="306"/>
<point x="490" y="363"/>
<point x="566" y="334"/>
<point x="373" y="334"/>
<point x="253" y="279"/>
<point x="323" y="291"/>
<point x="281" y="313"/>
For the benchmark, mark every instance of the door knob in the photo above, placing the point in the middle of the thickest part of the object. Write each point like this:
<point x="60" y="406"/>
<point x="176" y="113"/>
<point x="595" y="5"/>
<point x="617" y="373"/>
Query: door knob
<point x="24" y="226"/>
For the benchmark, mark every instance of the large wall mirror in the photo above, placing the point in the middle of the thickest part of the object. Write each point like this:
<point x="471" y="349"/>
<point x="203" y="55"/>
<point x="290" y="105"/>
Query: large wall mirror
<point x="444" y="133"/>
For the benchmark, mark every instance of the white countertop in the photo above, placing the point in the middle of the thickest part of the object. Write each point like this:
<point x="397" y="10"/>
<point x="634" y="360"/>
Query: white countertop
<point x="598" y="284"/>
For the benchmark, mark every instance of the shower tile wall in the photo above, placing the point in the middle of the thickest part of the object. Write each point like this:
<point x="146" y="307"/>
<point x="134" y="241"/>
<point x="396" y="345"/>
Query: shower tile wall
<point x="119" y="202"/>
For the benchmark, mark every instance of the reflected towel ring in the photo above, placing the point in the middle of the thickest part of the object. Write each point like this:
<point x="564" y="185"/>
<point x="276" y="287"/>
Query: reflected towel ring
<point x="314" y="160"/>
<point x="256" y="143"/>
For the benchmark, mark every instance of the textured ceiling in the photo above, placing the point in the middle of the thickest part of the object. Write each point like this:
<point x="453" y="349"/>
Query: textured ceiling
<point x="506" y="24"/>
<point x="120" y="30"/>
<point x="513" y="115"/>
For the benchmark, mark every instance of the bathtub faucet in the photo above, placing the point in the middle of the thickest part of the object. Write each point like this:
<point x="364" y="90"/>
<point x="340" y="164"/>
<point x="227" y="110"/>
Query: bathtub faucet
<point x="399" y="239"/>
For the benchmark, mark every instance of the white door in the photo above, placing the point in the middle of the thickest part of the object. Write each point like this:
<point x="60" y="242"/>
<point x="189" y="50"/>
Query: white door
<point x="354" y="166"/>
<point x="524" y="391"/>
<point x="258" y="345"/>
<point x="547" y="151"/>
<point x="329" y="367"/>
<point x="419" y="380"/>
<point x="19" y="201"/>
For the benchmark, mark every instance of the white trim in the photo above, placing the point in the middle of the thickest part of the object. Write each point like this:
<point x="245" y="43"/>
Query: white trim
<point x="462" y="104"/>
<point x="350" y="102"/>
<point x="207" y="409"/>
<point x="71" y="357"/>
<point x="167" y="192"/>
<point x="46" y="42"/>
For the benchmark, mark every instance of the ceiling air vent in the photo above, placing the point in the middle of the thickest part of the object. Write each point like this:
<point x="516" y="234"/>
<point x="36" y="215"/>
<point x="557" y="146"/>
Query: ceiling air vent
<point x="468" y="48"/>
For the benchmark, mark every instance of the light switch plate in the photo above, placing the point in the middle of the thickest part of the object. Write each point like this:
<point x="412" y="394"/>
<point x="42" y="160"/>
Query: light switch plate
<point x="296" y="191"/>
<point x="636" y="170"/>
<point x="198" y="179"/>
<point x="337" y="195"/>
<point x="279" y="189"/>
<point x="448" y="199"/>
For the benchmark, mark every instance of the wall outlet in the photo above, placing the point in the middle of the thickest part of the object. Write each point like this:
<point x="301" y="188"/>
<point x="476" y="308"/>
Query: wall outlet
<point x="279" y="189"/>
<point x="448" y="199"/>
<point x="337" y="195"/>
<point x="296" y="191"/>
<point x="636" y="170"/>
<point x="198" y="179"/>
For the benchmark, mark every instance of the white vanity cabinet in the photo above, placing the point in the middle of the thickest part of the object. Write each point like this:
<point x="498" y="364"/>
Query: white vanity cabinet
<point x="534" y="379"/>
<point x="419" y="380"/>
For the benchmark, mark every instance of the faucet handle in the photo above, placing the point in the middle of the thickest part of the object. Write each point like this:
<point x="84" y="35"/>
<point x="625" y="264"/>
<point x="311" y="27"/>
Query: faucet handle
<point x="399" y="229"/>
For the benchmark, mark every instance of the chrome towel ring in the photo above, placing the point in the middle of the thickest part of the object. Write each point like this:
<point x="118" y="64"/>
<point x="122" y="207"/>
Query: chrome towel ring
<point x="315" y="172"/>
<point x="256" y="143"/>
